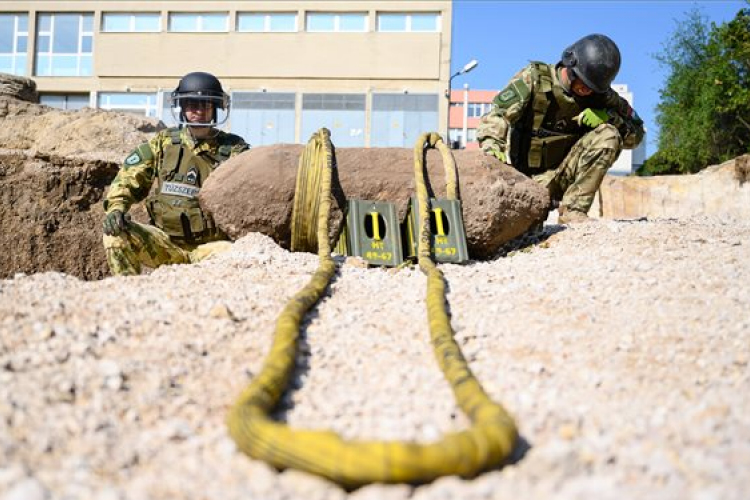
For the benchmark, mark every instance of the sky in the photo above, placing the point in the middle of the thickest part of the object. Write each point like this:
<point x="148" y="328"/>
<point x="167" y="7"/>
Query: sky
<point x="504" y="35"/>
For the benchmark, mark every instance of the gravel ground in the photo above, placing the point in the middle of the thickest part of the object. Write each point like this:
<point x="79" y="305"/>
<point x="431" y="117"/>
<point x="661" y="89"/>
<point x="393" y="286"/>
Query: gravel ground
<point x="622" y="348"/>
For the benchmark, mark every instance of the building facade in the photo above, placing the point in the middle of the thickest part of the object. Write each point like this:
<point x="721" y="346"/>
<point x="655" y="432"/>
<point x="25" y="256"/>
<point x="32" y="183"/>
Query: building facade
<point x="467" y="107"/>
<point x="373" y="71"/>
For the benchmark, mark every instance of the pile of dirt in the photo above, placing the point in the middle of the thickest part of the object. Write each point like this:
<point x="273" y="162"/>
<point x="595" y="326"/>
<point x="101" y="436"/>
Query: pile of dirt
<point x="719" y="190"/>
<point x="18" y="87"/>
<point x="54" y="169"/>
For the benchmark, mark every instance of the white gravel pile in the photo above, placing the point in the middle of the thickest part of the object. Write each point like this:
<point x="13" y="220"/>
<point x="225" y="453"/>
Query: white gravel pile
<point x="622" y="348"/>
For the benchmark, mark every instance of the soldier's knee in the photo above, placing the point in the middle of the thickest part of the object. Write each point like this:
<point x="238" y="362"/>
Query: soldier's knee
<point x="209" y="249"/>
<point x="118" y="242"/>
<point x="606" y="136"/>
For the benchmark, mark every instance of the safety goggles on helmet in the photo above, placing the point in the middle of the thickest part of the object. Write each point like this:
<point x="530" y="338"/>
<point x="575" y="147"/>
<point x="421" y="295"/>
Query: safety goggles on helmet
<point x="220" y="103"/>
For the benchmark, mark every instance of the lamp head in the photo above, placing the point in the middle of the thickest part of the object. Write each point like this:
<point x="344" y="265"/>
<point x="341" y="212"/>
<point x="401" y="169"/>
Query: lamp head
<point x="470" y="66"/>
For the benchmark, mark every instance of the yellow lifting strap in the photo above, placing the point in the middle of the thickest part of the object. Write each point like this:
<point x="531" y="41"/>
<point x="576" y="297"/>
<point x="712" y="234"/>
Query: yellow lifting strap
<point x="486" y="444"/>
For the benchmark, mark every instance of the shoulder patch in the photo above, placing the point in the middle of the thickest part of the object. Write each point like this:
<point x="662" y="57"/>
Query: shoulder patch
<point x="516" y="91"/>
<point x="133" y="159"/>
<point x="507" y="95"/>
<point x="141" y="154"/>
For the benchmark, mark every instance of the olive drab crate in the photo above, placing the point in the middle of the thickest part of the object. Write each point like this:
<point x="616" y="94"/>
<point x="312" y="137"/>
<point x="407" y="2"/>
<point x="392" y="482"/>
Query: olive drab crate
<point x="447" y="238"/>
<point x="372" y="231"/>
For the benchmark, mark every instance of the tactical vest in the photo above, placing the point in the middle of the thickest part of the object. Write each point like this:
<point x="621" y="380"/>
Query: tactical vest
<point x="545" y="132"/>
<point x="174" y="206"/>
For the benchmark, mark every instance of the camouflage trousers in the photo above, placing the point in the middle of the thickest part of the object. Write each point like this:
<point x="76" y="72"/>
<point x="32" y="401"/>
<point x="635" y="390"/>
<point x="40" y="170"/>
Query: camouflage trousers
<point x="575" y="181"/>
<point x="150" y="246"/>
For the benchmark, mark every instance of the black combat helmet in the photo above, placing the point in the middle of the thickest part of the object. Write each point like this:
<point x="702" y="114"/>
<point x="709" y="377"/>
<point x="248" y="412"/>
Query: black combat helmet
<point x="200" y="86"/>
<point x="595" y="59"/>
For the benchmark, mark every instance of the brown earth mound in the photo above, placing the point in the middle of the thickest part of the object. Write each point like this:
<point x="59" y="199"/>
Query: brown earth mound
<point x="54" y="169"/>
<point x="18" y="87"/>
<point x="719" y="190"/>
<point x="254" y="192"/>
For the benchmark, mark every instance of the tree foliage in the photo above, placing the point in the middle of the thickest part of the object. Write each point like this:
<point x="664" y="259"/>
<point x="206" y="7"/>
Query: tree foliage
<point x="704" y="113"/>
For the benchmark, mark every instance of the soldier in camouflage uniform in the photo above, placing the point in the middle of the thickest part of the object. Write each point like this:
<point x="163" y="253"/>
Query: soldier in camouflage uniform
<point x="563" y="124"/>
<point x="179" y="160"/>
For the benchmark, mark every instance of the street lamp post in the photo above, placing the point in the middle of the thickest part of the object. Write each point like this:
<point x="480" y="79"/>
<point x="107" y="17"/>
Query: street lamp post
<point x="468" y="67"/>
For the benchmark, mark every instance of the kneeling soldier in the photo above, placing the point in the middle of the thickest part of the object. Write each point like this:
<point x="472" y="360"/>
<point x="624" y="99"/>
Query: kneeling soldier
<point x="179" y="160"/>
<point x="563" y="125"/>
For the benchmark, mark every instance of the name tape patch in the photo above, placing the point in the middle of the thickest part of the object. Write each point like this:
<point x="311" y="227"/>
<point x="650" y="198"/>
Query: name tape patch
<point x="178" y="189"/>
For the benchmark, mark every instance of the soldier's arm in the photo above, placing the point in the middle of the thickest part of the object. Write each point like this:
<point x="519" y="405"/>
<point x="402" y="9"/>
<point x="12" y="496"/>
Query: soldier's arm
<point x="625" y="119"/>
<point x="231" y="145"/>
<point x="238" y="147"/>
<point x="134" y="179"/>
<point x="507" y="108"/>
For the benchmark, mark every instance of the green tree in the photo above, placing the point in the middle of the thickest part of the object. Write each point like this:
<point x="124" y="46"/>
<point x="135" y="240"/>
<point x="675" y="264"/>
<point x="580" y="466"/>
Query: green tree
<point x="704" y="113"/>
<point x="731" y="74"/>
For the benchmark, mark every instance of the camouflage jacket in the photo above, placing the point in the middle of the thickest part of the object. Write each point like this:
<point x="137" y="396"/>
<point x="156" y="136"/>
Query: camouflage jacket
<point x="516" y="106"/>
<point x="139" y="170"/>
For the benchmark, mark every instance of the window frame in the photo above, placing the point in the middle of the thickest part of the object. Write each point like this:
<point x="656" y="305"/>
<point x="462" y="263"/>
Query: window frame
<point x="198" y="28"/>
<point x="80" y="55"/>
<point x="267" y="18"/>
<point x="131" y="22"/>
<point x="337" y="21"/>
<point x="409" y="24"/>
<point x="477" y="107"/>
<point x="66" y="100"/>
<point x="19" y="59"/>
<point x="151" y="108"/>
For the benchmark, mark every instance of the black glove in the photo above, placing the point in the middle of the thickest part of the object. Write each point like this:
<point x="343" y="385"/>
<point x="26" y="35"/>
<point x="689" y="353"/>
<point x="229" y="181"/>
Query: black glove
<point x="115" y="223"/>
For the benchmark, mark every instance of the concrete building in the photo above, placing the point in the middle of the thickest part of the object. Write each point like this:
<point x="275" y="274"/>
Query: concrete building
<point x="467" y="106"/>
<point x="373" y="71"/>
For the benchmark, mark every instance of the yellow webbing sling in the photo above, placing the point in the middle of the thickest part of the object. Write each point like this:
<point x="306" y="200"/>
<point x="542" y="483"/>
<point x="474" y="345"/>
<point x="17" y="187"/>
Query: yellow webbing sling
<point x="355" y="463"/>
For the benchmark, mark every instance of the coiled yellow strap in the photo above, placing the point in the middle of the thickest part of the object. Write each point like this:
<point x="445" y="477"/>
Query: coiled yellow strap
<point x="355" y="463"/>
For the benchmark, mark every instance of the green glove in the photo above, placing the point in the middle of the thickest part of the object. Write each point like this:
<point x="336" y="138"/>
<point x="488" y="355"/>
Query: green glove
<point x="493" y="151"/>
<point x="592" y="117"/>
<point x="115" y="222"/>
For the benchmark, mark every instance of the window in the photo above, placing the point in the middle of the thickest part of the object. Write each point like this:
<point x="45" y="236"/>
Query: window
<point x="263" y="118"/>
<point x="130" y="23"/>
<point x="192" y="22"/>
<point x="399" y="119"/>
<point x="401" y="22"/>
<point x="65" y="101"/>
<point x="266" y="22"/>
<point x="456" y="135"/>
<point x="342" y="114"/>
<point x="14" y="36"/>
<point x="141" y="104"/>
<point x="344" y="22"/>
<point x="64" y="45"/>
<point x="477" y="109"/>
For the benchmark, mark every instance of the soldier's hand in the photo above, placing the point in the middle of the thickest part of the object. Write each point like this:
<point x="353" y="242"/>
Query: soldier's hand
<point x="494" y="151"/>
<point x="592" y="117"/>
<point x="115" y="223"/>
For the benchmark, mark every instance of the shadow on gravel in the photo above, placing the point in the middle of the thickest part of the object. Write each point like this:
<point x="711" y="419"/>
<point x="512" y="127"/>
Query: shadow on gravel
<point x="302" y="359"/>
<point x="519" y="452"/>
<point x="536" y="236"/>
